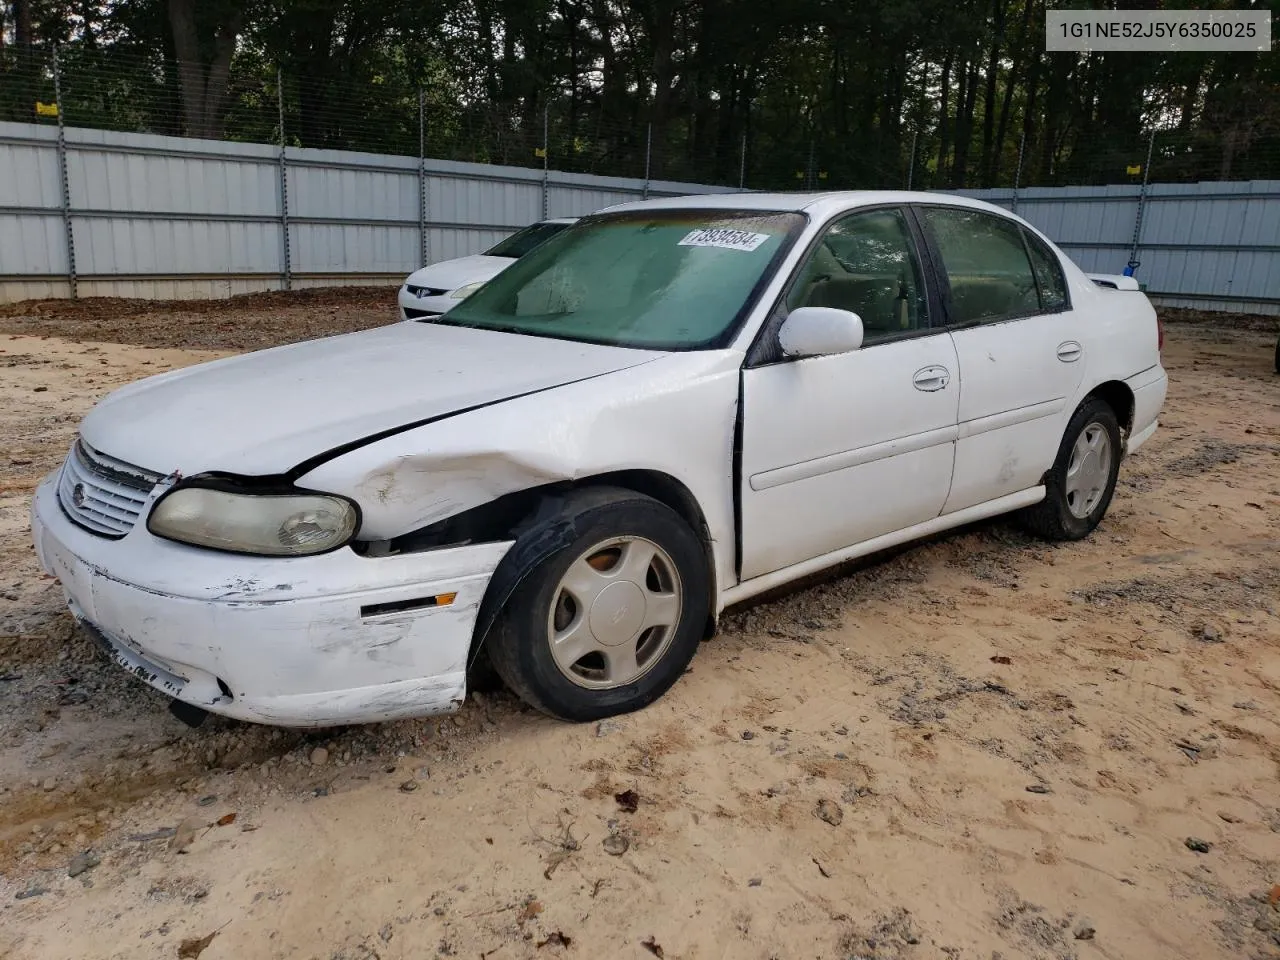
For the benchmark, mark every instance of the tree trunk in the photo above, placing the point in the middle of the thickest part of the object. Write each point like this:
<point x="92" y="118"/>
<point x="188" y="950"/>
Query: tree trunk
<point x="1029" y="108"/>
<point x="1055" y="103"/>
<point x="22" y="24"/>
<point x="1011" y="83"/>
<point x="1229" y="140"/>
<point x="612" y="83"/>
<point x="964" y="123"/>
<point x="944" y="124"/>
<point x="573" y="18"/>
<point x="989" y="152"/>
<point x="89" y="10"/>
<point x="191" y="74"/>
<point x="1187" y="108"/>
<point x="663" y="40"/>
<point x="491" y="87"/>
<point x="203" y="67"/>
<point x="745" y="142"/>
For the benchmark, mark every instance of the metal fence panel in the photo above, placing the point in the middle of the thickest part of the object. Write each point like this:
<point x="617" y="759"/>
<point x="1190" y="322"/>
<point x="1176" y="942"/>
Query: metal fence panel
<point x="335" y="249"/>
<point x="349" y="193"/>
<point x="153" y="183"/>
<point x="174" y="247"/>
<point x="155" y="216"/>
<point x="507" y="203"/>
<point x="30" y="174"/>
<point x="32" y="244"/>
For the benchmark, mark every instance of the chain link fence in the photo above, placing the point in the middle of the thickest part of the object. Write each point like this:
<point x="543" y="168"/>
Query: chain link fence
<point x="144" y="94"/>
<point x="1171" y="203"/>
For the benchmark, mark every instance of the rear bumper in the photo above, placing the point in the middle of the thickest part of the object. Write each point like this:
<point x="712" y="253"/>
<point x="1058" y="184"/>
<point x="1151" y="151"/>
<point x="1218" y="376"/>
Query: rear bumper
<point x="284" y="641"/>
<point x="1149" y="391"/>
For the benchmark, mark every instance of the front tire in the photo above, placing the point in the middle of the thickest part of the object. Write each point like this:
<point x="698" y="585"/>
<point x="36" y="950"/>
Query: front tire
<point x="609" y="622"/>
<point x="1082" y="481"/>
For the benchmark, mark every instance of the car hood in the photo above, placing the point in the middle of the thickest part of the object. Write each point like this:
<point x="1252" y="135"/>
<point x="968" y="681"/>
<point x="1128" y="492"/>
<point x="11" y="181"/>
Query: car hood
<point x="264" y="413"/>
<point x="452" y="274"/>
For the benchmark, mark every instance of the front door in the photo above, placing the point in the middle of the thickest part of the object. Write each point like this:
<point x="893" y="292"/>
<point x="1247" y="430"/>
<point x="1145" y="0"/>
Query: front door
<point x="1019" y="350"/>
<point x="840" y="449"/>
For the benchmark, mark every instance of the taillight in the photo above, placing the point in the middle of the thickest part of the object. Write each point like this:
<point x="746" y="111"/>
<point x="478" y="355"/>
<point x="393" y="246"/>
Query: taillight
<point x="1159" y="335"/>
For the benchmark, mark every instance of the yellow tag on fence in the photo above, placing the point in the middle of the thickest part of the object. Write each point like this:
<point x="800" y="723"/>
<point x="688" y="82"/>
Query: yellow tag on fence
<point x="1133" y="171"/>
<point x="539" y="152"/>
<point x="46" y="109"/>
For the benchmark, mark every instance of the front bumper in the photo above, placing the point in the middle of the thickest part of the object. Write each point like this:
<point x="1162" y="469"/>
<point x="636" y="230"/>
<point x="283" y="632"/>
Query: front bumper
<point x="284" y="641"/>
<point x="417" y="308"/>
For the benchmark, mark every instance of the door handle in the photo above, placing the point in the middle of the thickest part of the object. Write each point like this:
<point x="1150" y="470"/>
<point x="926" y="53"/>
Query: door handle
<point x="931" y="379"/>
<point x="1070" y="351"/>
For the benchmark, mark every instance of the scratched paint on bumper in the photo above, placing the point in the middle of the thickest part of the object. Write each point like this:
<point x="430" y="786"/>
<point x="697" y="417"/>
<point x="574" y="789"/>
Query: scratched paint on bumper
<point x="290" y="646"/>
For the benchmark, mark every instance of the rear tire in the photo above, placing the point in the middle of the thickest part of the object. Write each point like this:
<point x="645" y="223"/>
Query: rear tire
<point x="607" y="624"/>
<point x="1082" y="481"/>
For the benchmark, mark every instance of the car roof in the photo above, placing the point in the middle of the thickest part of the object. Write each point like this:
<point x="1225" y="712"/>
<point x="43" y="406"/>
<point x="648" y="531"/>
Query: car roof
<point x="564" y="220"/>
<point x="817" y="204"/>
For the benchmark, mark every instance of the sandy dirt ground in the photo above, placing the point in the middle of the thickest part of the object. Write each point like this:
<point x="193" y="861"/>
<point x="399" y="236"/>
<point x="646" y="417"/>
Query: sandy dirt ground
<point x="984" y="747"/>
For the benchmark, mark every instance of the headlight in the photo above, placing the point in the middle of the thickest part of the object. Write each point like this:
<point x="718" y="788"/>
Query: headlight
<point x="467" y="290"/>
<point x="276" y="525"/>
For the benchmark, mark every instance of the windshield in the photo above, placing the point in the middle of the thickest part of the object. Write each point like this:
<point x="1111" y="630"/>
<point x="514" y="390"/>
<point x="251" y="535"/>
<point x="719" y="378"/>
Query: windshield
<point x="522" y="241"/>
<point x="658" y="279"/>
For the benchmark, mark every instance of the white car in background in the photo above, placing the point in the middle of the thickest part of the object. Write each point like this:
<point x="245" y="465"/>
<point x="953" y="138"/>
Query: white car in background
<point x="434" y="289"/>
<point x="665" y="409"/>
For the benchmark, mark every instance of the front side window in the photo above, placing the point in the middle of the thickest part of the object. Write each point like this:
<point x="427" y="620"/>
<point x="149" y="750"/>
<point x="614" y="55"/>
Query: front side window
<point x="522" y="241"/>
<point x="1048" y="271"/>
<point x="986" y="265"/>
<point x="866" y="263"/>
<point x="658" y="279"/>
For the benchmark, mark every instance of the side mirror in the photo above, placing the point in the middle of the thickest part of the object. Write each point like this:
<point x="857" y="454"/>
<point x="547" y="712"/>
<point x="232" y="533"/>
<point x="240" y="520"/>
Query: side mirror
<point x="820" y="332"/>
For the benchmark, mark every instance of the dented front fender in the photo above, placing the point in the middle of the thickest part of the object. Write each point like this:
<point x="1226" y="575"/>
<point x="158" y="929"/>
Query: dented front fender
<point x="674" y="416"/>
<point x="419" y="489"/>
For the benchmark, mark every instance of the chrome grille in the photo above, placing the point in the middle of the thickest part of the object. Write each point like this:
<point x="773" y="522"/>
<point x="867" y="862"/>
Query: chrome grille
<point x="102" y="494"/>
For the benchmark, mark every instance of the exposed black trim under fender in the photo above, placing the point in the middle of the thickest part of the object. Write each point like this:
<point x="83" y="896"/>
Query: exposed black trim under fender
<point x="540" y="537"/>
<point x="189" y="714"/>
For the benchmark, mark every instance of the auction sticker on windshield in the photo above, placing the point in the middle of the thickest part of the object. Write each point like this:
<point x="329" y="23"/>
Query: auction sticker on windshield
<point x="724" y="238"/>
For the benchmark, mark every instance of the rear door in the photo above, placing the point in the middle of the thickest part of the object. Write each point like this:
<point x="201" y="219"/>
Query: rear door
<point x="1018" y="347"/>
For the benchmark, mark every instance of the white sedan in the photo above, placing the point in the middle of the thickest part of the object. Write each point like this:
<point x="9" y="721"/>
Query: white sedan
<point x="437" y="288"/>
<point x="663" y="410"/>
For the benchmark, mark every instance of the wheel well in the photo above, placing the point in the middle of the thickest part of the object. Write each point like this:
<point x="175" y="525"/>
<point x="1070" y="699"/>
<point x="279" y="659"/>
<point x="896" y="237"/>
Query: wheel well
<point x="1120" y="398"/>
<point x="505" y="517"/>
<point x="1117" y="395"/>
<point x="662" y="487"/>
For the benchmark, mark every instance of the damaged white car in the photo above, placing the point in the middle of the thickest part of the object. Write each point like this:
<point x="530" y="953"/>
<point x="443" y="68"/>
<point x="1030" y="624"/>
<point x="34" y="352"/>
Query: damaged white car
<point x="667" y="408"/>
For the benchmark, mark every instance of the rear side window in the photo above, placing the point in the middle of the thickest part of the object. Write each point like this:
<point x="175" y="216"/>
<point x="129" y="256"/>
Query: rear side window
<point x="521" y="242"/>
<point x="986" y="265"/>
<point x="1048" y="271"/>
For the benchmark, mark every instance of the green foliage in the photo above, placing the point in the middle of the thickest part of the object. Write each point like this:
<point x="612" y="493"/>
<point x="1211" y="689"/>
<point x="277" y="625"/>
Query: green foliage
<point x="810" y="93"/>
